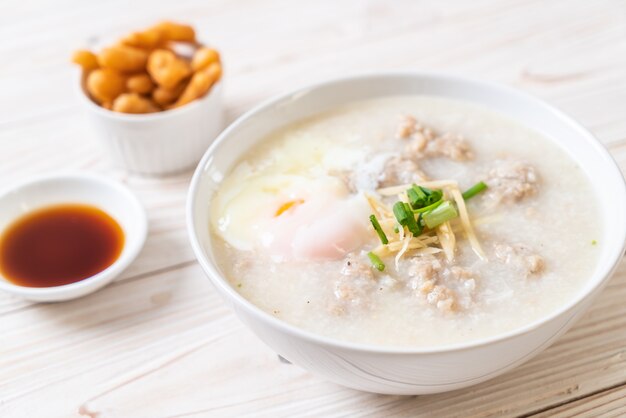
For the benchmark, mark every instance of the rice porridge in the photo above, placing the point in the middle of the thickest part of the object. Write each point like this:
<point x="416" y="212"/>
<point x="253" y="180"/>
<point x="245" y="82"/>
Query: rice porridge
<point x="406" y="221"/>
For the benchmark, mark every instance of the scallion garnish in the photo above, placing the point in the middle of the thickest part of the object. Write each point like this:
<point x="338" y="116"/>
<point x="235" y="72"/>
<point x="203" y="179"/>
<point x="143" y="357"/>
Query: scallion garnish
<point x="442" y="213"/>
<point x="429" y="207"/>
<point x="417" y="197"/>
<point x="474" y="190"/>
<point x="434" y="196"/>
<point x="376" y="261"/>
<point x="379" y="230"/>
<point x="412" y="224"/>
<point x="420" y="197"/>
<point x="404" y="215"/>
<point x="401" y="214"/>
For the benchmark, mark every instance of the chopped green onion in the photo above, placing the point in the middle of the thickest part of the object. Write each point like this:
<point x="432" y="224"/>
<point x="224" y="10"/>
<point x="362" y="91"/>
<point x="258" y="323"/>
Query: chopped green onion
<point x="474" y="190"/>
<point x="420" y="197"/>
<point x="404" y="215"/>
<point x="434" y="196"/>
<point x="594" y="242"/>
<point x="396" y="228"/>
<point x="400" y="212"/>
<point x="412" y="224"/>
<point x="429" y="207"/>
<point x="379" y="230"/>
<point x="416" y="196"/>
<point x="442" y="213"/>
<point x="376" y="261"/>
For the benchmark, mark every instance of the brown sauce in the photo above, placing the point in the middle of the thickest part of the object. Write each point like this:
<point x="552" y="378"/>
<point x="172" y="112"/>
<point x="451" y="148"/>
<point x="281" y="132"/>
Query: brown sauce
<point x="59" y="245"/>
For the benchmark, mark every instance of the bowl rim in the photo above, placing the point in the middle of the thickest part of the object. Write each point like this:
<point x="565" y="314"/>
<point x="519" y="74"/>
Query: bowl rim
<point x="132" y="243"/>
<point x="143" y="117"/>
<point x="600" y="277"/>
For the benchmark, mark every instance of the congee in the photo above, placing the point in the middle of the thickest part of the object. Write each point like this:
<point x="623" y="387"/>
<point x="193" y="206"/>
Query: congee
<point x="407" y="221"/>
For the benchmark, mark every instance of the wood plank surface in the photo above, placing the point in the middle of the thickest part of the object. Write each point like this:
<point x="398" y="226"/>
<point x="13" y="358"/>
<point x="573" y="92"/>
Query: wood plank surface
<point x="159" y="342"/>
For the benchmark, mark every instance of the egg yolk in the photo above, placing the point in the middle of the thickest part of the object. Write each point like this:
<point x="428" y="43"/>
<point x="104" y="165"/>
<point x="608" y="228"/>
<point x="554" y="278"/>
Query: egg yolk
<point x="291" y="217"/>
<point x="288" y="205"/>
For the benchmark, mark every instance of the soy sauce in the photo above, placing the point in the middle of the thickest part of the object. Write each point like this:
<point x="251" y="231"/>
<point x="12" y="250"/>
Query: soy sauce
<point x="59" y="245"/>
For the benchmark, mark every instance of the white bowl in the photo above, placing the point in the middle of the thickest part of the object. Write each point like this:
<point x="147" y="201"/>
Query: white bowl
<point x="110" y="196"/>
<point x="405" y="370"/>
<point x="158" y="143"/>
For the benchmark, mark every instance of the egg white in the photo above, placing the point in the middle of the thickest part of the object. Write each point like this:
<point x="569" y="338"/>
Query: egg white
<point x="322" y="220"/>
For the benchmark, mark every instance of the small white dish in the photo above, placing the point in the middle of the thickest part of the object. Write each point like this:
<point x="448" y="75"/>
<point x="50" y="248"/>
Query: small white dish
<point x="407" y="370"/>
<point x="158" y="143"/>
<point x="110" y="196"/>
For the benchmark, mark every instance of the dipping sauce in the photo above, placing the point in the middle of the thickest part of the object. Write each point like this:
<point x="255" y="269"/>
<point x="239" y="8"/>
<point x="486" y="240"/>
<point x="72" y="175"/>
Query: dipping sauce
<point x="59" y="245"/>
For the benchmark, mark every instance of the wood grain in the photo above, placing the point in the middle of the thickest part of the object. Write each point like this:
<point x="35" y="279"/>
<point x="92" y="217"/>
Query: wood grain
<point x="159" y="342"/>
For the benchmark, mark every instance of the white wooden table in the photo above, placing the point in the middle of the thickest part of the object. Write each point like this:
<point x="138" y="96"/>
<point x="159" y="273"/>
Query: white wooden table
<point x="159" y="342"/>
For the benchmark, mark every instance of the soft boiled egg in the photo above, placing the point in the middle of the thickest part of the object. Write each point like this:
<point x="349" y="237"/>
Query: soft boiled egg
<point x="293" y="217"/>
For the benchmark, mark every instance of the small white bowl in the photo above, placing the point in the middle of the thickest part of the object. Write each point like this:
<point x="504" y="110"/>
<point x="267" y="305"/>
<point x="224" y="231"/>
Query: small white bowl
<point x="110" y="196"/>
<point x="158" y="143"/>
<point x="407" y="370"/>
